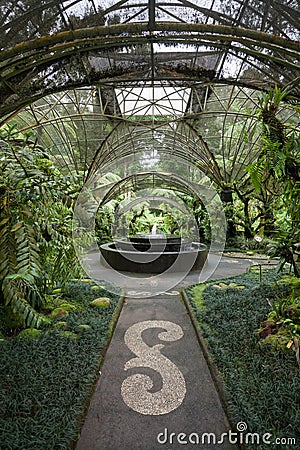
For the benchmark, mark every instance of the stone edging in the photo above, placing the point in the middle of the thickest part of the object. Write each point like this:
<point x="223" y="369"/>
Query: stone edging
<point x="218" y="382"/>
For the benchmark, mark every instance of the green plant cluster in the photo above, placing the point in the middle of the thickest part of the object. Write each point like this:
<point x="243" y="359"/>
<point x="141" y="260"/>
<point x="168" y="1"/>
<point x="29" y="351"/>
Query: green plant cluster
<point x="139" y="219"/>
<point x="282" y="326"/>
<point x="261" y="384"/>
<point x="143" y="220"/>
<point x="240" y="243"/>
<point x="276" y="176"/>
<point x="47" y="376"/>
<point x="36" y="249"/>
<point x="256" y="164"/>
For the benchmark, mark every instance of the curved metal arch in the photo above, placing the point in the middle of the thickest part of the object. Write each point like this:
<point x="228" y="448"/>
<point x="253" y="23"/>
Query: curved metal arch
<point x="150" y="179"/>
<point x="131" y="140"/>
<point x="184" y="137"/>
<point x="188" y="141"/>
<point x="66" y="55"/>
<point x="59" y="14"/>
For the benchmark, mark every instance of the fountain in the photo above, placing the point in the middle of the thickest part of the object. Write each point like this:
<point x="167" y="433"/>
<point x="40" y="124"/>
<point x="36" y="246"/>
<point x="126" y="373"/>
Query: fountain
<point x="153" y="253"/>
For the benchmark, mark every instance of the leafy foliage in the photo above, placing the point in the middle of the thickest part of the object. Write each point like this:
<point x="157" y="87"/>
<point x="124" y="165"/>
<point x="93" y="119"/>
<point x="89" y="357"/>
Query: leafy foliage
<point x="281" y="329"/>
<point x="252" y="373"/>
<point x="146" y="218"/>
<point x="35" y="226"/>
<point x="140" y="218"/>
<point x="104" y="221"/>
<point x="43" y="400"/>
<point x="276" y="173"/>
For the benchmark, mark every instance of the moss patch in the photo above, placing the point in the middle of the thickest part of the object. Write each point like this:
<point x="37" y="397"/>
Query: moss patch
<point x="57" y="313"/>
<point x="101" y="302"/>
<point x="29" y="333"/>
<point x="61" y="325"/>
<point x="97" y="288"/>
<point x="67" y="307"/>
<point x="69" y="335"/>
<point x="197" y="294"/>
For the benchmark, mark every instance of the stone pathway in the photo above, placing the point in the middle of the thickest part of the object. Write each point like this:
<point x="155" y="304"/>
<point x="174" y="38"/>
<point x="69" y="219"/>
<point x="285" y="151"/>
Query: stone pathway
<point x="156" y="390"/>
<point x="141" y="285"/>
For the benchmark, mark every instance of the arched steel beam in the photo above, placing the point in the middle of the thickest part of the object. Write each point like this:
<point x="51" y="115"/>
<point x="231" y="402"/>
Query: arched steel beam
<point x="148" y="179"/>
<point x="24" y="68"/>
<point x="104" y="34"/>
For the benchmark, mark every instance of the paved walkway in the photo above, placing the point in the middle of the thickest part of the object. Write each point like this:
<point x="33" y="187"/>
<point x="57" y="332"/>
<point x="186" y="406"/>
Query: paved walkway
<point x="141" y="285"/>
<point x="154" y="382"/>
<point x="156" y="390"/>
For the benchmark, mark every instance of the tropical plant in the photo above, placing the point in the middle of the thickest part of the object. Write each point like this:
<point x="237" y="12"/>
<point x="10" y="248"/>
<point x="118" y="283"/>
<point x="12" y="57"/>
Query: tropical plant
<point x="104" y="221"/>
<point x="281" y="329"/>
<point x="36" y="249"/>
<point x="146" y="218"/>
<point x="276" y="174"/>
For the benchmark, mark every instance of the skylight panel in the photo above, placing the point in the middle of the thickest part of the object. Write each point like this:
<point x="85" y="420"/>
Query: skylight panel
<point x="153" y="100"/>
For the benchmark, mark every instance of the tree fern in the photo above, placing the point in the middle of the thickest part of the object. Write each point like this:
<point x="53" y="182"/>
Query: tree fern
<point x="279" y="164"/>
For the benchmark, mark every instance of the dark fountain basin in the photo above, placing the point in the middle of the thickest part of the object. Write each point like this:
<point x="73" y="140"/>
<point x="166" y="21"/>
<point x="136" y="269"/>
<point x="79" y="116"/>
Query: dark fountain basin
<point x="153" y="254"/>
<point x="151" y="243"/>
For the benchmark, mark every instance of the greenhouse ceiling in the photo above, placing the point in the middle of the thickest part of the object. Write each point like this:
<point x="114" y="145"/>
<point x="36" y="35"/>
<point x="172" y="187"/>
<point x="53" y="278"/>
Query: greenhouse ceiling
<point x="102" y="81"/>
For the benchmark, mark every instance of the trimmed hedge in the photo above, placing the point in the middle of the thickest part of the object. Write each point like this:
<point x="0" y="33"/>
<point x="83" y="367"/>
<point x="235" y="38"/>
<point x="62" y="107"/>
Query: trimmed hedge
<point x="261" y="384"/>
<point x="46" y="381"/>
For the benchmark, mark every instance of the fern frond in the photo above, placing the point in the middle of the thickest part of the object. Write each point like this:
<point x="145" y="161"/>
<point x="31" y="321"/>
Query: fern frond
<point x="8" y="259"/>
<point x="256" y="171"/>
<point x="19" y="304"/>
<point x="27" y="252"/>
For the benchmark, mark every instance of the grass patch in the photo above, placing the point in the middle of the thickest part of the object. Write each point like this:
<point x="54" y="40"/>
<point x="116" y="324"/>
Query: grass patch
<point x="46" y="380"/>
<point x="262" y="385"/>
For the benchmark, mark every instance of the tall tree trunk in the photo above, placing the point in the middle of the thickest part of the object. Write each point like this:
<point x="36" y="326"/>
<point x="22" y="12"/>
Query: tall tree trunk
<point x="227" y="199"/>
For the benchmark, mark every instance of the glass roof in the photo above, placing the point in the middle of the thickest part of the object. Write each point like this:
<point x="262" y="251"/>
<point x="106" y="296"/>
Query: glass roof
<point x="156" y="81"/>
<point x="153" y="100"/>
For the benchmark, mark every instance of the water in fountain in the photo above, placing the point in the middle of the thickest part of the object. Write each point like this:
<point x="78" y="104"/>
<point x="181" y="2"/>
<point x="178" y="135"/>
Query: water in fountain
<point x="153" y="230"/>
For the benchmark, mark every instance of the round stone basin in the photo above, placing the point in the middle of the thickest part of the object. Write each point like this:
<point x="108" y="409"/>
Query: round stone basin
<point x="152" y="243"/>
<point x="193" y="257"/>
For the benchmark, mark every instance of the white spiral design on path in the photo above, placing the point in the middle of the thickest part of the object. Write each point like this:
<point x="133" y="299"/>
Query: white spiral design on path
<point x="135" y="389"/>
